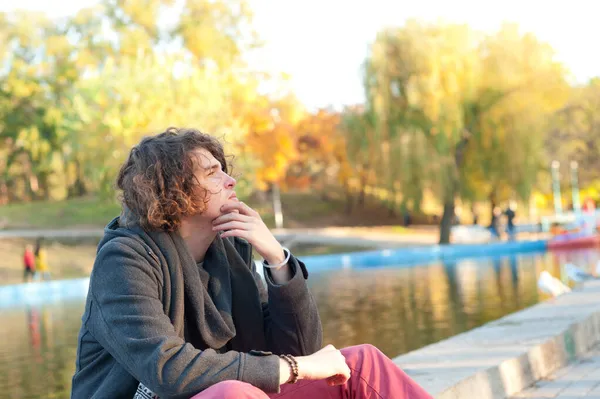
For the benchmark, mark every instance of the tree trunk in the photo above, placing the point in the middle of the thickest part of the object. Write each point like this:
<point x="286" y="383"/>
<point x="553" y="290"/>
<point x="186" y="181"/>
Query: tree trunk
<point x="277" y="210"/>
<point x="361" y="198"/>
<point x="80" y="188"/>
<point x="44" y="186"/>
<point x="4" y="197"/>
<point x="348" y="205"/>
<point x="493" y="204"/>
<point x="446" y="222"/>
<point x="392" y="211"/>
<point x="453" y="190"/>
<point x="363" y="185"/>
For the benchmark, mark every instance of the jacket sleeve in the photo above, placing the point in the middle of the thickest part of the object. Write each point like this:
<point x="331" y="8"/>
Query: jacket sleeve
<point x="126" y="317"/>
<point x="292" y="322"/>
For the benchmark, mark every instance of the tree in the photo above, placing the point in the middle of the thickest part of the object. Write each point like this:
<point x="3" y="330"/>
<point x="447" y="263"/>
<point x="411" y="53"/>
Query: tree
<point x="72" y="100"/>
<point x="574" y="134"/>
<point x="472" y="101"/>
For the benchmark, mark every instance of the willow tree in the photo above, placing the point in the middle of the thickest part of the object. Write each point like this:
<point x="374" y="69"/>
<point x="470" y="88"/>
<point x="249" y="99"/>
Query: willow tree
<point x="479" y="107"/>
<point x="575" y="132"/>
<point x="424" y="81"/>
<point x="508" y="155"/>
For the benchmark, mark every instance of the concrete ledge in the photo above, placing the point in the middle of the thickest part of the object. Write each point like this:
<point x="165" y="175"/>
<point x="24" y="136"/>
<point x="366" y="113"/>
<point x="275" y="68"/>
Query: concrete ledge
<point x="508" y="355"/>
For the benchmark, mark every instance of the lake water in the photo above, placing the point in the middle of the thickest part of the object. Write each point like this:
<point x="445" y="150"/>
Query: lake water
<point x="396" y="309"/>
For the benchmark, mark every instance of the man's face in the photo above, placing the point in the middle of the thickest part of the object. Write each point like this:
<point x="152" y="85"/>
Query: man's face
<point x="220" y="186"/>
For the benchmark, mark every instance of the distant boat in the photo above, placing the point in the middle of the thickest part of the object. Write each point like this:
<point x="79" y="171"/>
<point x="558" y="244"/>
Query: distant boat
<point x="574" y="240"/>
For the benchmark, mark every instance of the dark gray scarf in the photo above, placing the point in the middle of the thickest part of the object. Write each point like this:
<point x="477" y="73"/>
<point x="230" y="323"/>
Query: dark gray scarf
<point x="221" y="297"/>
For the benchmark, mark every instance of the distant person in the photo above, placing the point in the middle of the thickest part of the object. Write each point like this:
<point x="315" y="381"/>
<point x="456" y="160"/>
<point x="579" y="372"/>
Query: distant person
<point x="495" y="223"/>
<point x="176" y="308"/>
<point x="406" y="217"/>
<point x="28" y="263"/>
<point x="475" y="216"/>
<point x="510" y="220"/>
<point x="41" y="261"/>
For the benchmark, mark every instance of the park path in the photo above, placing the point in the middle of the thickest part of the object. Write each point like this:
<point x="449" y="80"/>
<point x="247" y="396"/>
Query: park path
<point x="358" y="237"/>
<point x="578" y="380"/>
<point x="367" y="237"/>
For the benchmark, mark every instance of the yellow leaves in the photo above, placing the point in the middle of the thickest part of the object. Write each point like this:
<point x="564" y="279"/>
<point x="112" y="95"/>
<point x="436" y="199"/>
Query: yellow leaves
<point x="57" y="45"/>
<point x="216" y="30"/>
<point x="53" y="116"/>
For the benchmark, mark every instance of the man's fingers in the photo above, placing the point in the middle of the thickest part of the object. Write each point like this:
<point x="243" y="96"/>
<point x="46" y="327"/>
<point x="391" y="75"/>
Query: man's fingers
<point x="240" y="206"/>
<point x="231" y="225"/>
<point x="337" y="379"/>
<point x="235" y="233"/>
<point x="231" y="216"/>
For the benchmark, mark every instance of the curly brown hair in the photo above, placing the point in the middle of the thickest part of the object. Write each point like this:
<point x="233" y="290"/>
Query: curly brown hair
<point x="158" y="183"/>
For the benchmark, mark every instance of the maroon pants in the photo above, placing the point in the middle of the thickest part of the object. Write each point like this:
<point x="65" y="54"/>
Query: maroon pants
<point x="373" y="375"/>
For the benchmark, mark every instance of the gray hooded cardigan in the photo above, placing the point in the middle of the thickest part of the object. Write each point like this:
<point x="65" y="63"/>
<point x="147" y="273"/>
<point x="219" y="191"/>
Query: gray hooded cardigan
<point x="153" y="316"/>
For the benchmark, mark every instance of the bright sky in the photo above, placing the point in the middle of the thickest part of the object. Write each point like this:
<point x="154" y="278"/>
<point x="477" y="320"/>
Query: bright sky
<point x="322" y="43"/>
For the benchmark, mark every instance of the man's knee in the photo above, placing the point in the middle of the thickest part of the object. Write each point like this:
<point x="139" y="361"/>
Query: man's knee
<point x="358" y="354"/>
<point x="232" y="390"/>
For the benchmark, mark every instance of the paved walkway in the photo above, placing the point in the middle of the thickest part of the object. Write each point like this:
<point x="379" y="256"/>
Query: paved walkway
<point x="359" y="237"/>
<point x="579" y="380"/>
<point x="368" y="237"/>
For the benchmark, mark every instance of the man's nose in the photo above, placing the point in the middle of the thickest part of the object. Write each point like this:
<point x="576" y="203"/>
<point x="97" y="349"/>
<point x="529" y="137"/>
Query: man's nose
<point x="230" y="182"/>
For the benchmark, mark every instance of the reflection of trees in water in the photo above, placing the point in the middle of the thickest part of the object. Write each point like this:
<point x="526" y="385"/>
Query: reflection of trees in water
<point x="401" y="309"/>
<point x="356" y="306"/>
<point x="457" y="314"/>
<point x="38" y="350"/>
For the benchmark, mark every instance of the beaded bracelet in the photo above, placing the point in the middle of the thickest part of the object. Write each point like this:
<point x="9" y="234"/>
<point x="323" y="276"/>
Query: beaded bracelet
<point x="287" y="259"/>
<point x="293" y="366"/>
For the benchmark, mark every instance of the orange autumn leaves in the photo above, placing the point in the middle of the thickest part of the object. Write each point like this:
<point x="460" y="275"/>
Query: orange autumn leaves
<point x="294" y="148"/>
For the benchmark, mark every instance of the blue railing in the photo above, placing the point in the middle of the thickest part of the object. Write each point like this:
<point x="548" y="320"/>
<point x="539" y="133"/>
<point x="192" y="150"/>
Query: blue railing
<point x="418" y="255"/>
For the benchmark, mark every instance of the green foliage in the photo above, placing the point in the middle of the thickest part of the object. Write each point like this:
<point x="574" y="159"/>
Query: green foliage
<point x="448" y="111"/>
<point x="575" y="133"/>
<point x="477" y="105"/>
<point x="77" y="93"/>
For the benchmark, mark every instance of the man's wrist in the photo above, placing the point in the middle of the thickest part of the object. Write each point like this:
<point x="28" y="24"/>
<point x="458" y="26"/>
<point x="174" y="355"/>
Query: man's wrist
<point x="277" y="257"/>
<point x="285" y="372"/>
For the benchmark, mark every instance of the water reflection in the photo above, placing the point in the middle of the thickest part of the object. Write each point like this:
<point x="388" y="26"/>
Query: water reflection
<point x="396" y="309"/>
<point x="37" y="350"/>
<point x="402" y="309"/>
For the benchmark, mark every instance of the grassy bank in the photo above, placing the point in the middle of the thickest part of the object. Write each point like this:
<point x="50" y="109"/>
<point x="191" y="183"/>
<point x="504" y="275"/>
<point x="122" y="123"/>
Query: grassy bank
<point x="299" y="210"/>
<point x="79" y="212"/>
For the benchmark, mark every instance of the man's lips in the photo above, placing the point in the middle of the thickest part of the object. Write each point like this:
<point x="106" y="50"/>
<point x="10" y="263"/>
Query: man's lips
<point x="233" y="196"/>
